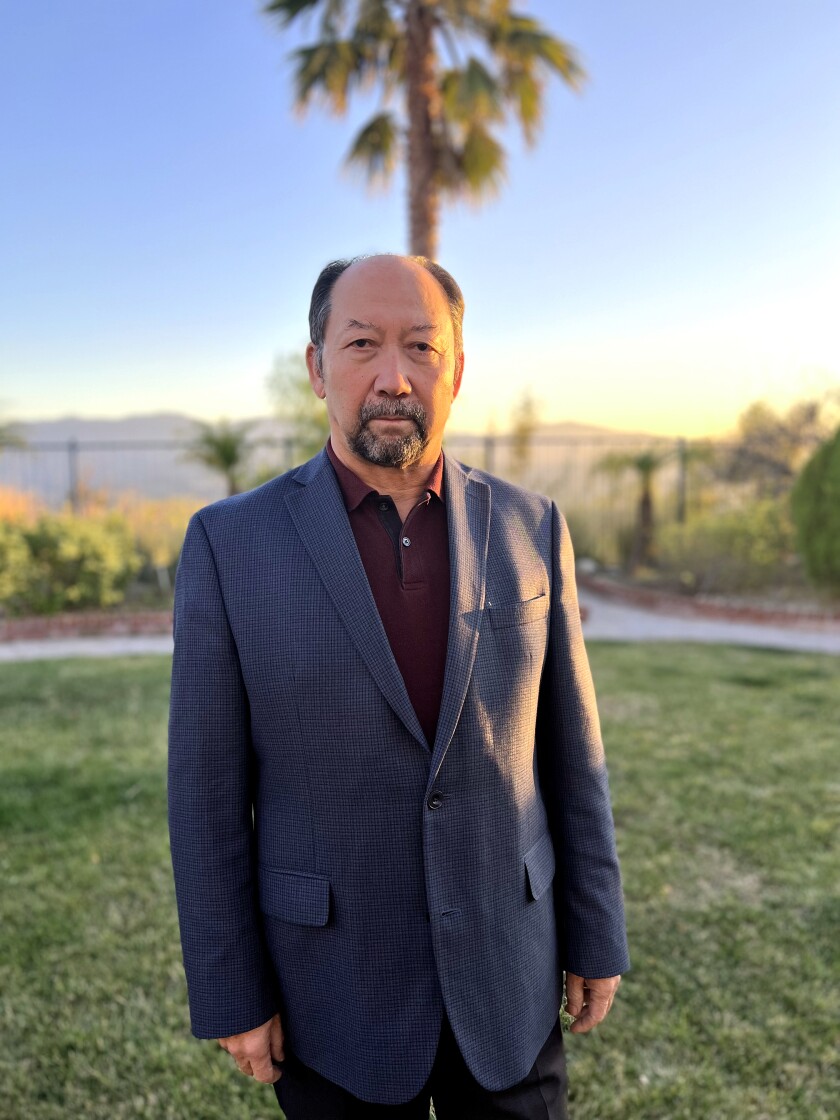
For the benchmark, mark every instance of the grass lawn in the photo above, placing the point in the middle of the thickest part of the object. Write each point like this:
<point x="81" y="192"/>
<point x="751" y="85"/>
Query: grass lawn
<point x="726" y="785"/>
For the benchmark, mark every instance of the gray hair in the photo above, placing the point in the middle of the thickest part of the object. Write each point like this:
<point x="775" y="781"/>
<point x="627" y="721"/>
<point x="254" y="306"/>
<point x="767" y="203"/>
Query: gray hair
<point x="321" y="303"/>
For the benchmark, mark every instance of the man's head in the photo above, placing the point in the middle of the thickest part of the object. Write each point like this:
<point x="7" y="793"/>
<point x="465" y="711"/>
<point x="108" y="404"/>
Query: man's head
<point x="386" y="353"/>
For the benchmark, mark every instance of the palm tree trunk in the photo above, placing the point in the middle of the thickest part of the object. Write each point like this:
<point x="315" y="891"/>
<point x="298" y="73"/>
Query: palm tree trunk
<point x="645" y="527"/>
<point x="422" y="96"/>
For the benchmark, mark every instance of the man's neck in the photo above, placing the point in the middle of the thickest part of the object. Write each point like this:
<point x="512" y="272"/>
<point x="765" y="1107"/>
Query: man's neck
<point x="406" y="485"/>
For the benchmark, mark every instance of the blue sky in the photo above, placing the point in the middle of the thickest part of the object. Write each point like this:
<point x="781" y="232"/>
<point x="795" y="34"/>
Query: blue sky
<point x="669" y="252"/>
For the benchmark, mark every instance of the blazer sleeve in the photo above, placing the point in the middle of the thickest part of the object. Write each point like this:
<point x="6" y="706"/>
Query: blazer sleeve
<point x="573" y="775"/>
<point x="229" y="979"/>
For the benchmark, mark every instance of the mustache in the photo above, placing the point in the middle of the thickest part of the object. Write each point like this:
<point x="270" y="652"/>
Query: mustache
<point x="406" y="410"/>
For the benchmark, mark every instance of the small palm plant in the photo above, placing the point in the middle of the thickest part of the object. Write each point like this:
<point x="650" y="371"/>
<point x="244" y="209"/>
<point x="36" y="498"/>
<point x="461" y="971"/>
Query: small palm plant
<point x="645" y="464"/>
<point x="223" y="447"/>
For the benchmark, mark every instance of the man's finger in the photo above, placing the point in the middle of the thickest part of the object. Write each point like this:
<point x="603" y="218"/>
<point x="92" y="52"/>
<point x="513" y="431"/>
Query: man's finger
<point x="574" y="994"/>
<point x="263" y="1069"/>
<point x="595" y="1012"/>
<point x="599" y="994"/>
<point x="275" y="1040"/>
<point x="244" y="1066"/>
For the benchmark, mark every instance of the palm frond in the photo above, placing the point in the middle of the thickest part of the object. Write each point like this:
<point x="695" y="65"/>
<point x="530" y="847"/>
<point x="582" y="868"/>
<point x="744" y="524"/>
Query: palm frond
<point x="476" y="167"/>
<point x="287" y="11"/>
<point x="525" y="91"/>
<point x="521" y="41"/>
<point x="471" y="93"/>
<point x="330" y="69"/>
<point x="376" y="148"/>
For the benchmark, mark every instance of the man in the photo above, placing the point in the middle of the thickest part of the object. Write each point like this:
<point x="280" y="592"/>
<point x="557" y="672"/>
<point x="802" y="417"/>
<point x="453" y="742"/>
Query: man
<point x="389" y="811"/>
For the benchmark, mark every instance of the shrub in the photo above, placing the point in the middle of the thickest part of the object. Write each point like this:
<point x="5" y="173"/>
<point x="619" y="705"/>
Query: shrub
<point x="744" y="549"/>
<point x="158" y="526"/>
<point x="815" y="503"/>
<point x="14" y="565"/>
<point x="70" y="562"/>
<point x="19" y="506"/>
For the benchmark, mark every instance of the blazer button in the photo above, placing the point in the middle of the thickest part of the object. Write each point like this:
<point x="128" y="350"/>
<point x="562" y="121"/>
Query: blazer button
<point x="435" y="799"/>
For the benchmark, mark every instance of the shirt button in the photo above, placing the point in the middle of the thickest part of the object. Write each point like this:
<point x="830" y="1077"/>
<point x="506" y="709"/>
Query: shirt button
<point x="435" y="799"/>
<point x="406" y="541"/>
<point x="383" y="505"/>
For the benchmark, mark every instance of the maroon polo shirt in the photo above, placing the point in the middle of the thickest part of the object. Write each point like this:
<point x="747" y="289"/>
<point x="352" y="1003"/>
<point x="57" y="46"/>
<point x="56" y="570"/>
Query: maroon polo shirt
<point x="407" y="566"/>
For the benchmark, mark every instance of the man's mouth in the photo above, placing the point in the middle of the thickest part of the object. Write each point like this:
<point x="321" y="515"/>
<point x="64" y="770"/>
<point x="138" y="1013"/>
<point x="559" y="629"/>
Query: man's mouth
<point x="393" y="419"/>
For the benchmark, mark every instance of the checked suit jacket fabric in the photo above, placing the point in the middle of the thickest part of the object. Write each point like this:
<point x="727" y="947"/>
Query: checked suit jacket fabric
<point x="332" y="865"/>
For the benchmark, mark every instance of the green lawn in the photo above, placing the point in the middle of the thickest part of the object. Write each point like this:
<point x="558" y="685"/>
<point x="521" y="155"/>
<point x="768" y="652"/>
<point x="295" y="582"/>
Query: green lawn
<point x="726" y="786"/>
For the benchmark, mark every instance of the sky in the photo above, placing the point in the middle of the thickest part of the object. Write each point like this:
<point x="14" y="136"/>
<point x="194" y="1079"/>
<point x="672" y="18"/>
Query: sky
<point x="667" y="253"/>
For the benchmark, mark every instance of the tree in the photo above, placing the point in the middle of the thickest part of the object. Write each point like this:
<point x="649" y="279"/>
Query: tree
<point x="499" y="62"/>
<point x="524" y="423"/>
<point x="223" y="447"/>
<point x="771" y="447"/>
<point x="645" y="464"/>
<point x="9" y="437"/>
<point x="815" y="504"/>
<point x="295" y="403"/>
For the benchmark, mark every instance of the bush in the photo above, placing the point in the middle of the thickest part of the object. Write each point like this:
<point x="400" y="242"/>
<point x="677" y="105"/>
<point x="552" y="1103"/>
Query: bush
<point x="815" y="503"/>
<point x="70" y="562"/>
<point x="14" y="565"/>
<point x="746" y="549"/>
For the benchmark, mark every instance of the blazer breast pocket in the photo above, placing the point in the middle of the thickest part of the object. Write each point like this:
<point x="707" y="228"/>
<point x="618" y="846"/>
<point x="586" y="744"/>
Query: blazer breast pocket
<point x="294" y="896"/>
<point x="518" y="614"/>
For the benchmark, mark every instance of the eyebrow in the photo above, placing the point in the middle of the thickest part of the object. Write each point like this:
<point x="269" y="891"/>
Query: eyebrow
<point x="417" y="328"/>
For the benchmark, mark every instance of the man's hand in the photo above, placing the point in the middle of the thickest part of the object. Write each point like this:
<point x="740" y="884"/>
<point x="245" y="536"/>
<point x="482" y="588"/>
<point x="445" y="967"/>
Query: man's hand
<point x="588" y="1001"/>
<point x="255" y="1051"/>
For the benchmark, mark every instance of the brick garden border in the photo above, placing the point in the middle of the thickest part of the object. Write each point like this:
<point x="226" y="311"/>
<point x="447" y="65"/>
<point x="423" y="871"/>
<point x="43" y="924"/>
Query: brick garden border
<point x="74" y="624"/>
<point x="666" y="602"/>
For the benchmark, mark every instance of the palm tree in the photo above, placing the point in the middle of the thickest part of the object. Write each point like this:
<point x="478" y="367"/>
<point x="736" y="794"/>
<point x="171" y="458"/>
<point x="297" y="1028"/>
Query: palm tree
<point x="645" y="464"/>
<point x="223" y="447"/>
<point x="499" y="61"/>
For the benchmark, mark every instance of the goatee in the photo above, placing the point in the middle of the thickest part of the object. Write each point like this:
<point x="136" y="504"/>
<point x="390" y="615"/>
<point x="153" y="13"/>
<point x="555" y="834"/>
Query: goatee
<point x="398" y="450"/>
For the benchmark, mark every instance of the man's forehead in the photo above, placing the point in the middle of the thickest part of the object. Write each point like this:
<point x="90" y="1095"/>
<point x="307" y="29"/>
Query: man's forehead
<point x="391" y="280"/>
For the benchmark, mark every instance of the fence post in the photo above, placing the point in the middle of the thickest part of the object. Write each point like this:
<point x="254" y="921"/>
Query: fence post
<point x="73" y="473"/>
<point x="682" y="479"/>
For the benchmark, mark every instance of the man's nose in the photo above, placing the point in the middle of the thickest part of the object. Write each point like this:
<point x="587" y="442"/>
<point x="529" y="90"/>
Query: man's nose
<point x="390" y="379"/>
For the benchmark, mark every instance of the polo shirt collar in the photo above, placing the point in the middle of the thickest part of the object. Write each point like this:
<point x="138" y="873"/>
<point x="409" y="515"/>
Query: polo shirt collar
<point x="355" y="490"/>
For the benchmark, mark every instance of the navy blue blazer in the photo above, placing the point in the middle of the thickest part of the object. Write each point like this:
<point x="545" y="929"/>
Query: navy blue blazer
<point x="332" y="865"/>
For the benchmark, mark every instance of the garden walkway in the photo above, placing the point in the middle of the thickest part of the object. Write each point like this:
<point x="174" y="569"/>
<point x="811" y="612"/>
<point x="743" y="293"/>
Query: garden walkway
<point x="607" y="620"/>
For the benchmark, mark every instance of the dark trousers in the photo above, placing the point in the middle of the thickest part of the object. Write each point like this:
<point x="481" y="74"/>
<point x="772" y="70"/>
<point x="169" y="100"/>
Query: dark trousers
<point x="541" y="1095"/>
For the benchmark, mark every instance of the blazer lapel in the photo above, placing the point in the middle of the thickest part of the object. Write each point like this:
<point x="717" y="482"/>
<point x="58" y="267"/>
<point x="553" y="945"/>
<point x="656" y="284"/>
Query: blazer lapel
<point x="318" y="512"/>
<point x="468" y="518"/>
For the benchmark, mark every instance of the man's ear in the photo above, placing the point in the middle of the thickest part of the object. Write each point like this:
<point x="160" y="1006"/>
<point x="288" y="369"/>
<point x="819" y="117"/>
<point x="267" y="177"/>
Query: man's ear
<point x="459" y="373"/>
<point x="316" y="379"/>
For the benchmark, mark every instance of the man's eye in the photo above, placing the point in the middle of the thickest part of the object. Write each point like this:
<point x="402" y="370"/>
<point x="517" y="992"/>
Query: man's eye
<point x="360" y="343"/>
<point x="423" y="347"/>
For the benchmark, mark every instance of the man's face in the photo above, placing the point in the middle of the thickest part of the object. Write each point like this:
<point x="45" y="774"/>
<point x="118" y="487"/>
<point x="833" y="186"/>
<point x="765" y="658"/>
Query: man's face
<point x="389" y="370"/>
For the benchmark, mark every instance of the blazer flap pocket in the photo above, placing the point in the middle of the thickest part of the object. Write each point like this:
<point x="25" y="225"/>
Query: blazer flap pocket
<point x="295" y="896"/>
<point x="539" y="863"/>
<point x="515" y="614"/>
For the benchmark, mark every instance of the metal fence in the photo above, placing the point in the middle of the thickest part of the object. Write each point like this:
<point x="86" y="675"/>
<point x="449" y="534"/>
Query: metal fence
<point x="580" y="472"/>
